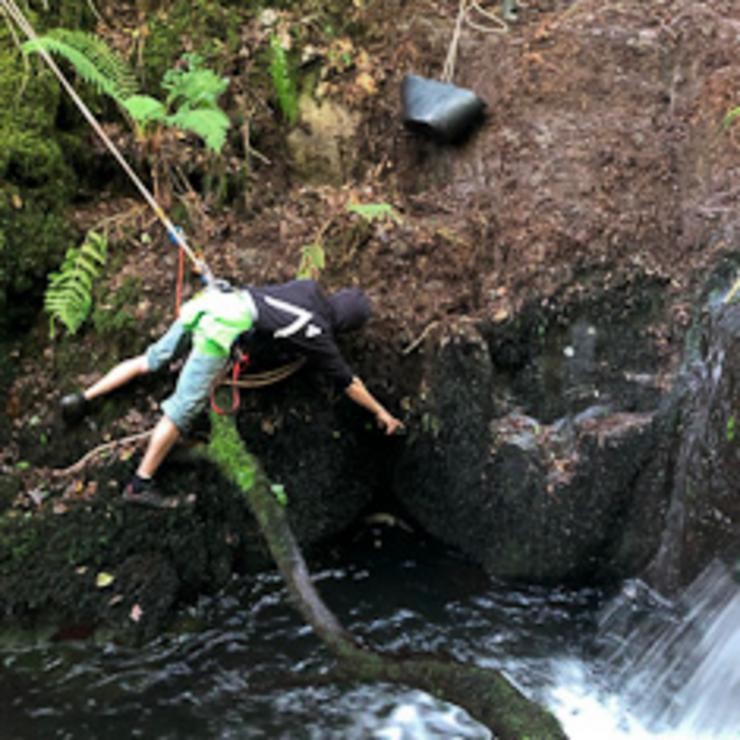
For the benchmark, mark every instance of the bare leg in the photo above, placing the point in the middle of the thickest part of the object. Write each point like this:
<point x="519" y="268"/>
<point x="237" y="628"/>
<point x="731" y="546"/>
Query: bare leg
<point x="163" y="437"/>
<point x="118" y="376"/>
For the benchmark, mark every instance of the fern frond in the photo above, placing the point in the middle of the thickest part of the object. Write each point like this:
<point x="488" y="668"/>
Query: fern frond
<point x="68" y="296"/>
<point x="144" y="109"/>
<point x="208" y="123"/>
<point x="92" y="59"/>
<point x="195" y="87"/>
<point x="283" y="81"/>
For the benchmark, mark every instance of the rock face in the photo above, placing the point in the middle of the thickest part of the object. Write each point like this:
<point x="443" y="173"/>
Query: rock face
<point x="703" y="519"/>
<point x="596" y="492"/>
<point x="530" y="496"/>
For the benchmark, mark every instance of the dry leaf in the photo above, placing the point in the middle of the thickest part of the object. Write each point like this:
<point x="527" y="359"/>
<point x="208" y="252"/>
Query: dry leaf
<point x="103" y="579"/>
<point x="366" y="83"/>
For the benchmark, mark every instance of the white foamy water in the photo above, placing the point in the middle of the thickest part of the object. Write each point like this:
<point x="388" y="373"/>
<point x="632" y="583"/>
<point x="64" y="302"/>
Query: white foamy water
<point x="676" y="678"/>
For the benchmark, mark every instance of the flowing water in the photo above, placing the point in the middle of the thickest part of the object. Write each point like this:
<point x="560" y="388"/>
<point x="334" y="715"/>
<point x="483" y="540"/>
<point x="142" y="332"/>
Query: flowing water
<point x="242" y="665"/>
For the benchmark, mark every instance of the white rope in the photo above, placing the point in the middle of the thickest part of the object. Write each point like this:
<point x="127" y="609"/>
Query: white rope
<point x="14" y="12"/>
<point x="498" y="25"/>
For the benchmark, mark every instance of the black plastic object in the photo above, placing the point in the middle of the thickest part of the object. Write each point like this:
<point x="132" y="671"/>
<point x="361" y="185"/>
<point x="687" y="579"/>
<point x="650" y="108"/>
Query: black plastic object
<point x="441" y="110"/>
<point x="74" y="407"/>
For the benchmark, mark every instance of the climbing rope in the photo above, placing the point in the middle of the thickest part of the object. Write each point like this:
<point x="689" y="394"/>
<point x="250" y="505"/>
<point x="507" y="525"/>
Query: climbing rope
<point x="466" y="9"/>
<point x="174" y="234"/>
<point x="15" y="14"/>
<point x="254" y="380"/>
<point x="733" y="291"/>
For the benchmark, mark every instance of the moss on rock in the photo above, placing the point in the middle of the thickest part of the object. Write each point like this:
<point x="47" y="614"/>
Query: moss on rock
<point x="204" y="26"/>
<point x="36" y="184"/>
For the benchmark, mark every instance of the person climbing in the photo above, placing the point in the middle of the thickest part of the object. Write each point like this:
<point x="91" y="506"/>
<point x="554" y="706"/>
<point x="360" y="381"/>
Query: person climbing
<point x="296" y="316"/>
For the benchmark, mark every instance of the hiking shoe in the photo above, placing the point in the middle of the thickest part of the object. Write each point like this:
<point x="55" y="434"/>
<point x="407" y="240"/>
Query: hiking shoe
<point x="73" y="406"/>
<point x="149" y="496"/>
<point x="145" y="496"/>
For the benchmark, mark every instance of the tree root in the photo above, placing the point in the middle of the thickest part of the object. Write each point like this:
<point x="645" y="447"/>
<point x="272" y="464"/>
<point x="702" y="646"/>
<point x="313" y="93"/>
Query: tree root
<point x="113" y="444"/>
<point x="485" y="694"/>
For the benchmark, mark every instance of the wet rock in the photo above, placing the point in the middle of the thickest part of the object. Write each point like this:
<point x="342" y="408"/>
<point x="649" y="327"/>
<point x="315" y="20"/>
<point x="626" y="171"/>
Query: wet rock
<point x="319" y="448"/>
<point x="703" y="520"/>
<point x="530" y="497"/>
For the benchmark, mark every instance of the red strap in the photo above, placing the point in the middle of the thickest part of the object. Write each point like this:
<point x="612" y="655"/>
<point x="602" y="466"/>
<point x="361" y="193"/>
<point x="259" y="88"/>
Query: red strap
<point x="240" y="364"/>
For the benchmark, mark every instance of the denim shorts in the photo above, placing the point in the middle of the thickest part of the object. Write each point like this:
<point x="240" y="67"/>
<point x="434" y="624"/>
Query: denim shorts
<point x="196" y="377"/>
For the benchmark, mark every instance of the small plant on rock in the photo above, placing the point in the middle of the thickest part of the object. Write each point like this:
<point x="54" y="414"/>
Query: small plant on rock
<point x="68" y="297"/>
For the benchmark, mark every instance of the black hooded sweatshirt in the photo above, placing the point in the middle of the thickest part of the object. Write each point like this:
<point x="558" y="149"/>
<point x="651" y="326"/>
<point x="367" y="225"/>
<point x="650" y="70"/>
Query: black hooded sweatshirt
<point x="297" y="318"/>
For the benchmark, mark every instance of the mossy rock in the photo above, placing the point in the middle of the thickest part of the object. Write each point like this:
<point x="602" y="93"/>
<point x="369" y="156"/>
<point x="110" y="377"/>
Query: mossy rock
<point x="204" y="26"/>
<point x="37" y="184"/>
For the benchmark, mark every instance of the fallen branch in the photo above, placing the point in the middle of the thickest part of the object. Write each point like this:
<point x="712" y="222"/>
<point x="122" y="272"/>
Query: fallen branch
<point x="85" y="459"/>
<point x="411" y="347"/>
<point x="485" y="694"/>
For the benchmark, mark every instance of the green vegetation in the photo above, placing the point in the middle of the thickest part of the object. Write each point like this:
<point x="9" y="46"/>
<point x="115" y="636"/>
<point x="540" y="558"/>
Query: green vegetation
<point x="68" y="297"/>
<point x="283" y="80"/>
<point x="111" y="316"/>
<point x="192" y="100"/>
<point x="731" y="116"/>
<point x="313" y="261"/>
<point x="36" y="182"/>
<point x="375" y="211"/>
<point x="227" y="450"/>
<point x="730" y="429"/>
<point x="91" y="58"/>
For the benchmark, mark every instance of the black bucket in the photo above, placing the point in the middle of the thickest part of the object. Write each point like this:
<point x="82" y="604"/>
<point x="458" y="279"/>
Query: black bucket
<point x="445" y="112"/>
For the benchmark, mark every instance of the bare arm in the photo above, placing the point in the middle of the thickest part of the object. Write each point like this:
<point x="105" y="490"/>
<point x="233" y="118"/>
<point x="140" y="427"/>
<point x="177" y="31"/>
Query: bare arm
<point x="357" y="391"/>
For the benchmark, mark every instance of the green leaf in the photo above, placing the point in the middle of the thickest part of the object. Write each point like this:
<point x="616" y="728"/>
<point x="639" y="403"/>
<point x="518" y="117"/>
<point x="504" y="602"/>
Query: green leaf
<point x="283" y="81"/>
<point x="68" y="297"/>
<point x="103" y="579"/>
<point x="278" y="491"/>
<point x="730" y="118"/>
<point x="375" y="211"/>
<point x="313" y="261"/>
<point x="195" y="88"/>
<point x="93" y="60"/>
<point x="144" y="109"/>
<point x="210" y="125"/>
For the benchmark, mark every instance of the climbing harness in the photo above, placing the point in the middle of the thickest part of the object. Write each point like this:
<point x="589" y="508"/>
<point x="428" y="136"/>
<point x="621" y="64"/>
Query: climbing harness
<point x="14" y="13"/>
<point x="253" y="380"/>
<point x="241" y="361"/>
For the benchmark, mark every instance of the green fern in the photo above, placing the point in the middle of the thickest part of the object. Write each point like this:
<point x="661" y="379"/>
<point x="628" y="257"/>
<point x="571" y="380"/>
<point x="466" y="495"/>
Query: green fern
<point x="193" y="92"/>
<point x="210" y="125"/>
<point x="194" y="86"/>
<point x="283" y="81"/>
<point x="144" y="110"/>
<point x="375" y="211"/>
<point x="91" y="58"/>
<point x="68" y="296"/>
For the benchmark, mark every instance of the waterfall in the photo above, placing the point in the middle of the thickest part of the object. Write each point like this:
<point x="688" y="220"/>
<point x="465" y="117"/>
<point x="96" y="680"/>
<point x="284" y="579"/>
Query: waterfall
<point x="660" y="669"/>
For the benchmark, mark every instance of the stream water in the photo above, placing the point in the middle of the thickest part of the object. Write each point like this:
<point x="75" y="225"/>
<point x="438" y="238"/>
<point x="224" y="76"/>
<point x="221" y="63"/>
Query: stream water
<point x="242" y="664"/>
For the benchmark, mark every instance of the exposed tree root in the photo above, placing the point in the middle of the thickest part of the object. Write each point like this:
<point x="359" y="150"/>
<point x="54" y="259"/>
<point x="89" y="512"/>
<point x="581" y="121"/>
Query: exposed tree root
<point x="485" y="694"/>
